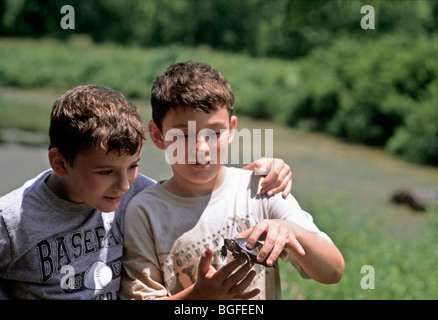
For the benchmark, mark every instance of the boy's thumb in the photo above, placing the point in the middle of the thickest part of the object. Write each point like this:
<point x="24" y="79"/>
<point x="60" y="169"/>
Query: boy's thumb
<point x="260" y="168"/>
<point x="205" y="261"/>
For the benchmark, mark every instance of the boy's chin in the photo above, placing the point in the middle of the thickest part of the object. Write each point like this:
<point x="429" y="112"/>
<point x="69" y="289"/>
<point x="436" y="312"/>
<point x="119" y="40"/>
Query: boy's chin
<point x="109" y="205"/>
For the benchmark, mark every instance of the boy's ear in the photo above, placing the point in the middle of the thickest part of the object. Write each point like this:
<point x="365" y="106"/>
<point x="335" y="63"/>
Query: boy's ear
<point x="233" y="127"/>
<point x="57" y="162"/>
<point x="156" y="135"/>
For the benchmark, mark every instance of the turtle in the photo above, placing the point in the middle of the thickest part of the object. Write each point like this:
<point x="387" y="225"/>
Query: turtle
<point x="238" y="249"/>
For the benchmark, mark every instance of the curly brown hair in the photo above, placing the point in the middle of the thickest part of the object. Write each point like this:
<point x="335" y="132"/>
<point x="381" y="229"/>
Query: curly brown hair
<point x="190" y="85"/>
<point x="92" y="117"/>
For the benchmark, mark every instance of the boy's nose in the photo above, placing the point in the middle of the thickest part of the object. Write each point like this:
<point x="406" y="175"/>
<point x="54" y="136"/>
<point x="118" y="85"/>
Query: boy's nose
<point x="123" y="183"/>
<point x="202" y="144"/>
<point x="202" y="150"/>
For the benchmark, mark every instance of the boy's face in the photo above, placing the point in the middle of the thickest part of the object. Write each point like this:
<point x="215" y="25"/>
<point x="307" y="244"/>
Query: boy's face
<point x="100" y="179"/>
<point x="203" y="138"/>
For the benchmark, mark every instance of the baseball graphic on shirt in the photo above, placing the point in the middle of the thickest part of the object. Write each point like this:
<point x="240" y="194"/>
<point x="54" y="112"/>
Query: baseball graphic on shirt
<point x="98" y="276"/>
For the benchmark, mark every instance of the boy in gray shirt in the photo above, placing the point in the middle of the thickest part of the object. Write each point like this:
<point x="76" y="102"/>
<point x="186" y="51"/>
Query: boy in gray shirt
<point x="61" y="233"/>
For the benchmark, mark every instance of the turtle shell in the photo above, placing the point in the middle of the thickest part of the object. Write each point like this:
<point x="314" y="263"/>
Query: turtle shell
<point x="238" y="249"/>
<point x="241" y="242"/>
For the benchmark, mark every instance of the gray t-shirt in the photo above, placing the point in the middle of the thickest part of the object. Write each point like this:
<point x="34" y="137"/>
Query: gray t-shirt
<point x="54" y="249"/>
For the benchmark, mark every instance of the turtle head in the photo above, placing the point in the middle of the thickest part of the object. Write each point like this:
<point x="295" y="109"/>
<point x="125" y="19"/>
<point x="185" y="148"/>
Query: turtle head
<point x="230" y="243"/>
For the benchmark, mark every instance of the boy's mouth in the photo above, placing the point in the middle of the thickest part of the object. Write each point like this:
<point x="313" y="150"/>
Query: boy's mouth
<point x="201" y="165"/>
<point x="113" y="199"/>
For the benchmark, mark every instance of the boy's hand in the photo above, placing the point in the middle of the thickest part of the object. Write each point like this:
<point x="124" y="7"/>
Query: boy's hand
<point x="278" y="175"/>
<point x="278" y="234"/>
<point x="223" y="284"/>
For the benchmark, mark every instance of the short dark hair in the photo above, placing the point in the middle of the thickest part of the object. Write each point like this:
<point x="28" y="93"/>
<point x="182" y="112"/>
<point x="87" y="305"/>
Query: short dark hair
<point x="190" y="85"/>
<point x="92" y="117"/>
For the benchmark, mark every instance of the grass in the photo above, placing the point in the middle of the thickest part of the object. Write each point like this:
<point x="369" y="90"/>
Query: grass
<point x="404" y="266"/>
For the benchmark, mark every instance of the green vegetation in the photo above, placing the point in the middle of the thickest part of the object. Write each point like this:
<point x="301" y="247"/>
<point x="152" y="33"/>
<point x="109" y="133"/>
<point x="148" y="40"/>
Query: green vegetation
<point x="30" y="112"/>
<point x="404" y="264"/>
<point x="276" y="28"/>
<point x="379" y="92"/>
<point x="307" y="64"/>
<point x="61" y="66"/>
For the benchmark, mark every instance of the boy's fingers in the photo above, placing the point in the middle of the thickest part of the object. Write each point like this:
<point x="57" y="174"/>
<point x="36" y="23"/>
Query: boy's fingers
<point x="274" y="183"/>
<point x="237" y="276"/>
<point x="277" y="249"/>
<point x="223" y="273"/>
<point x="257" y="231"/>
<point x="294" y="244"/>
<point x="287" y="190"/>
<point x="244" y="283"/>
<point x="244" y="234"/>
<point x="247" y="295"/>
<point x="273" y="237"/>
<point x="262" y="166"/>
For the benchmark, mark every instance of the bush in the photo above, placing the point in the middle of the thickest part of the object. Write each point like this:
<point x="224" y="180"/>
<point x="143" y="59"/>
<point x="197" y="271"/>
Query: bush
<point x="377" y="92"/>
<point x="381" y="91"/>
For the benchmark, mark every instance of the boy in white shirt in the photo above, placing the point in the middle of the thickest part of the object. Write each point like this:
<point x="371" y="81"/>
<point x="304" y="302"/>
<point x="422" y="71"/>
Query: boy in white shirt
<point x="174" y="231"/>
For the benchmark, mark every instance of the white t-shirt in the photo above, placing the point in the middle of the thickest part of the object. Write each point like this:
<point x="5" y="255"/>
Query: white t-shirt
<point x="165" y="234"/>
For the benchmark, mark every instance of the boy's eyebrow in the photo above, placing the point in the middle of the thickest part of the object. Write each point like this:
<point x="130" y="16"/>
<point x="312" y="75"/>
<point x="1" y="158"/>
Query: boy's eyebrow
<point x="106" y="166"/>
<point x="185" y="125"/>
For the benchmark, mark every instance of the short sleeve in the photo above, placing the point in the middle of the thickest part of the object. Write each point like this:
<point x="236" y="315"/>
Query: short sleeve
<point x="289" y="209"/>
<point x="141" y="277"/>
<point x="5" y="247"/>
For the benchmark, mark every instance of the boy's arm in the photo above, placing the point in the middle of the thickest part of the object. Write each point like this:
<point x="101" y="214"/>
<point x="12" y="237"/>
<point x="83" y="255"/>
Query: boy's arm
<point x="278" y="175"/>
<point x="318" y="257"/>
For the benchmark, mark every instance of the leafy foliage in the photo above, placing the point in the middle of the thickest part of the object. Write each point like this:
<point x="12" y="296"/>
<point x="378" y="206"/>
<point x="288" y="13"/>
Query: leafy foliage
<point x="375" y="87"/>
<point x="379" y="92"/>
<point x="286" y="29"/>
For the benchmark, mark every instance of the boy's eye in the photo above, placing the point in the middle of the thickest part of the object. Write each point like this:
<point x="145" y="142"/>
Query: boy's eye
<point x="133" y="166"/>
<point x="106" y="172"/>
<point x="181" y="136"/>
<point x="210" y="134"/>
